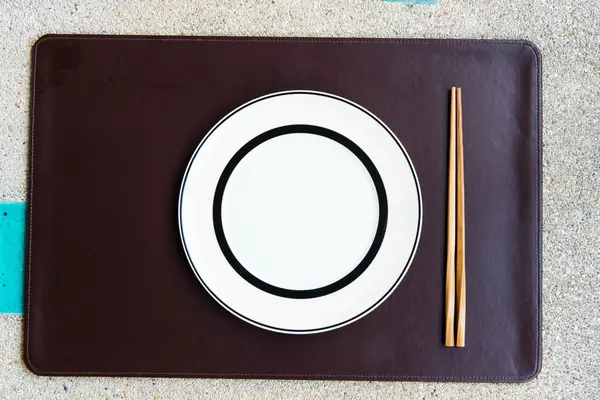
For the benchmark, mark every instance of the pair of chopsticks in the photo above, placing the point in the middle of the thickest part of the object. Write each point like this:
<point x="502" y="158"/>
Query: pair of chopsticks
<point x="455" y="257"/>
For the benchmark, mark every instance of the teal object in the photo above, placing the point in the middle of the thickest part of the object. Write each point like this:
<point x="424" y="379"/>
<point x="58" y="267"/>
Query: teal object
<point x="415" y="1"/>
<point x="13" y="217"/>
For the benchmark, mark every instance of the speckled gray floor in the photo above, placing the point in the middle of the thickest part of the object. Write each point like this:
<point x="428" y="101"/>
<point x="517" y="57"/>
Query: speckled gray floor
<point x="568" y="33"/>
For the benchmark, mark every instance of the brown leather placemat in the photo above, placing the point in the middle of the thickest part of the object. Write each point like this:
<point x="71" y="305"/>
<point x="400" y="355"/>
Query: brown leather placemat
<point x="114" y="122"/>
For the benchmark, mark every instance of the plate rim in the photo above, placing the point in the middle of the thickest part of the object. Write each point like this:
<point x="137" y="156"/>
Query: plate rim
<point x="373" y="306"/>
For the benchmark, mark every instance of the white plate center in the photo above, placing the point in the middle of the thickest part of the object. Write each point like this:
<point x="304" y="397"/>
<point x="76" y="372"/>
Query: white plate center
<point x="300" y="211"/>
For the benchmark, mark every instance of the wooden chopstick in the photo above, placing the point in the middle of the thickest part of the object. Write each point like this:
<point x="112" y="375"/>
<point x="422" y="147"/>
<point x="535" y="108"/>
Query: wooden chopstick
<point x="460" y="227"/>
<point x="451" y="229"/>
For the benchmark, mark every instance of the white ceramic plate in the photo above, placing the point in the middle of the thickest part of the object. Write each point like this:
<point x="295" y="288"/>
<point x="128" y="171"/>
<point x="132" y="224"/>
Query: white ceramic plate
<point x="300" y="212"/>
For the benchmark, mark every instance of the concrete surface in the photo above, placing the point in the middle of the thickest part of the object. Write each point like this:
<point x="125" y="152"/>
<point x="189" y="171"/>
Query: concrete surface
<point x="568" y="33"/>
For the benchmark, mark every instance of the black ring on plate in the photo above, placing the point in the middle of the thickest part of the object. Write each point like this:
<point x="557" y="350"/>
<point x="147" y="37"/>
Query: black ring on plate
<point x="379" y="233"/>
